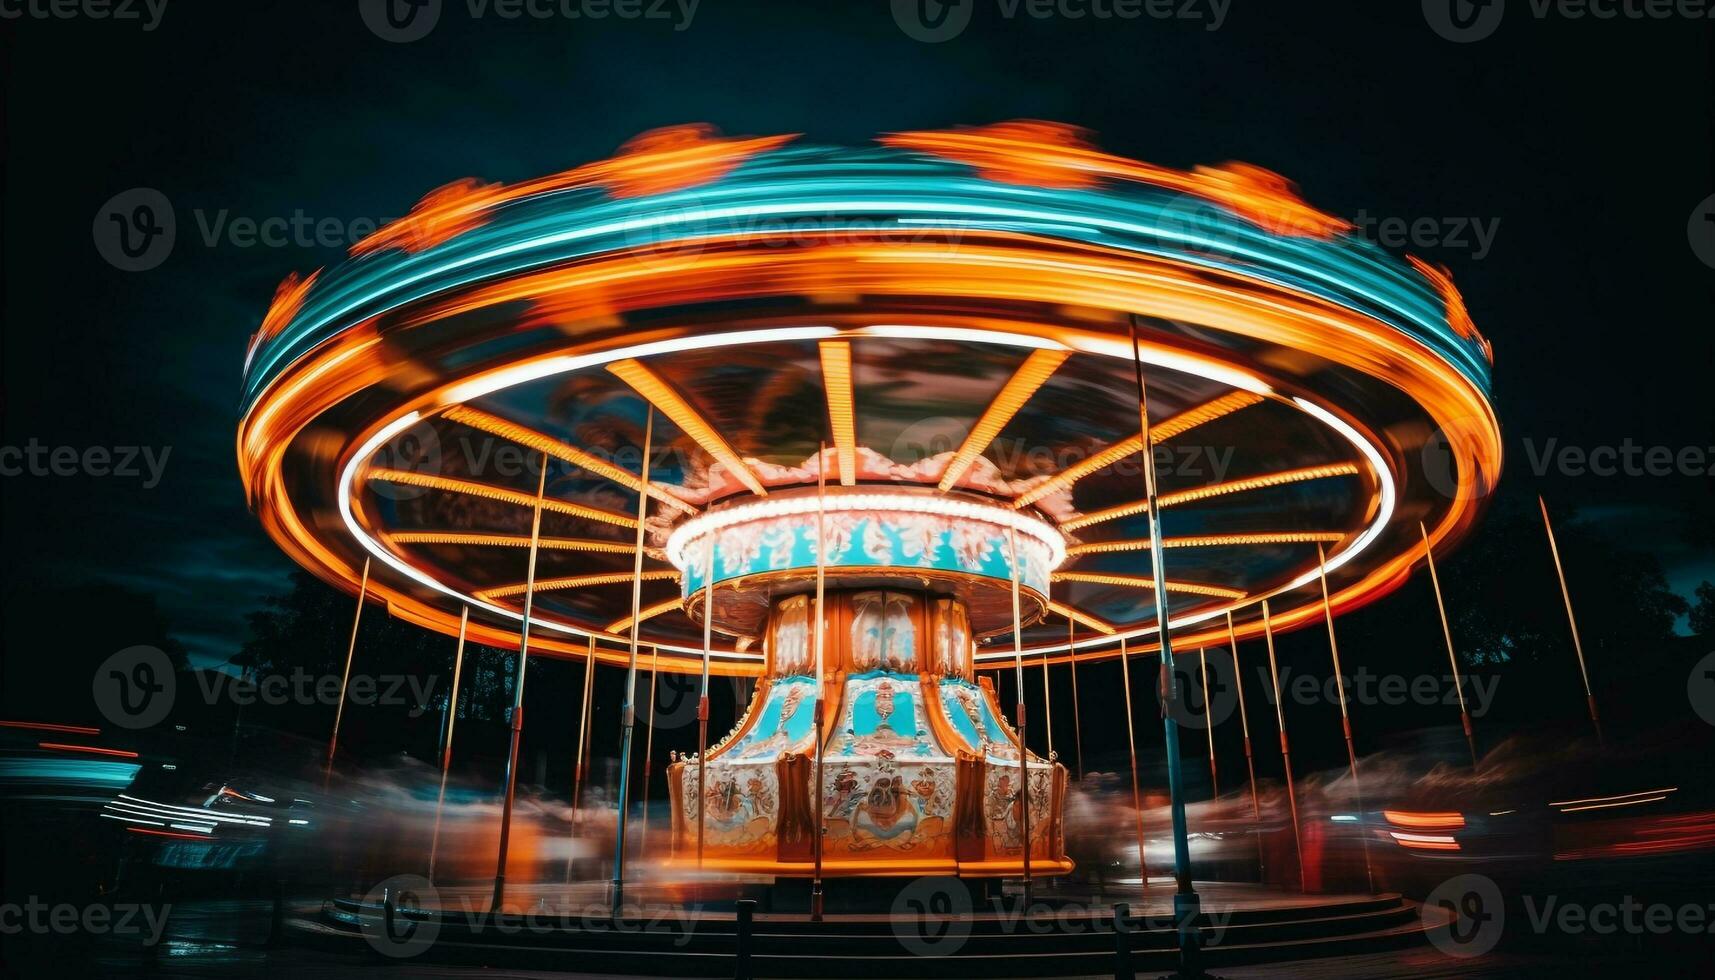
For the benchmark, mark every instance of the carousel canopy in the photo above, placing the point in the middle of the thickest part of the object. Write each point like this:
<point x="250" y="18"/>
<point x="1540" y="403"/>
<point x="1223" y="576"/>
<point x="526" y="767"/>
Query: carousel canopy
<point x="939" y="328"/>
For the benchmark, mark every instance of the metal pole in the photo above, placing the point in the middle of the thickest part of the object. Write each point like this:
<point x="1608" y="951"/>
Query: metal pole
<point x="1345" y="719"/>
<point x="1186" y="904"/>
<point x="1245" y="723"/>
<point x="518" y="688"/>
<point x="583" y="731"/>
<point x="703" y="697"/>
<point x="1131" y="743"/>
<point x="1077" y="719"/>
<point x="453" y="695"/>
<point x="447" y="738"/>
<point x="1214" y="773"/>
<point x="1018" y="675"/>
<point x="1452" y="658"/>
<point x="1047" y="709"/>
<point x="1285" y="747"/>
<point x="578" y="754"/>
<point x="649" y="747"/>
<point x="816" y="722"/>
<point x="1577" y="644"/>
<point x="744" y="923"/>
<point x="345" y="679"/>
<point x="628" y="707"/>
<point x="1122" y="942"/>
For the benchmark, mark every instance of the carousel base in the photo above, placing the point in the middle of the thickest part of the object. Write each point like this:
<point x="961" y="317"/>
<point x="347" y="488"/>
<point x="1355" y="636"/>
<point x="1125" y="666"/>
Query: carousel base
<point x="1058" y="934"/>
<point x="881" y="870"/>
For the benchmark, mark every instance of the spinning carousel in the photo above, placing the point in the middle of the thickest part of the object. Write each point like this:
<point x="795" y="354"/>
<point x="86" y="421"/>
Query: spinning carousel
<point x="868" y="424"/>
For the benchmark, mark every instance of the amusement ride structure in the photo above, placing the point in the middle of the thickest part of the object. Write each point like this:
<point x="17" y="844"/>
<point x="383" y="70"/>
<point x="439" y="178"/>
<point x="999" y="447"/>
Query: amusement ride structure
<point x="868" y="424"/>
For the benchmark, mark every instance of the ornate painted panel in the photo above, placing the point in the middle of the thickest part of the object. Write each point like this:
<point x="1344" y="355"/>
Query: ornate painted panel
<point x="972" y="715"/>
<point x="741" y="806"/>
<point x="881" y="539"/>
<point x="919" y="771"/>
<point x="782" y="723"/>
<point x="887" y="804"/>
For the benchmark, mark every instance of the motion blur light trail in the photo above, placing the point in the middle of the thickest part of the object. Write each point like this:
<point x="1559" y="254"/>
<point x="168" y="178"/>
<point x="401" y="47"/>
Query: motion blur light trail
<point x="742" y="286"/>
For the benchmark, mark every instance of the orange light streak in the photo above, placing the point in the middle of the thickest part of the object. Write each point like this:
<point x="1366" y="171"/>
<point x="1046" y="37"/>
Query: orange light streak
<point x="1425" y="842"/>
<point x="502" y="494"/>
<point x="48" y="726"/>
<point x="1654" y="834"/>
<point x="1458" y="317"/>
<point x="1208" y="541"/>
<point x="578" y="582"/>
<point x="1143" y="582"/>
<point x="288" y="300"/>
<point x="1426" y="821"/>
<point x="1050" y="154"/>
<point x="1620" y="796"/>
<point x="1605" y="806"/>
<point x="518" y="541"/>
<point x="1214" y="490"/>
<point x="544" y="443"/>
<point x="166" y="833"/>
<point x="1167" y="429"/>
<point x="842" y="420"/>
<point x="1030" y="376"/>
<point x="1079" y="616"/>
<point x="655" y="162"/>
<point x="648" y="612"/>
<point x="92" y="750"/>
<point x="673" y="405"/>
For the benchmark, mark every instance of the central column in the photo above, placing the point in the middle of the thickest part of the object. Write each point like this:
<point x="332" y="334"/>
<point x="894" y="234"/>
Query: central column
<point x="920" y="771"/>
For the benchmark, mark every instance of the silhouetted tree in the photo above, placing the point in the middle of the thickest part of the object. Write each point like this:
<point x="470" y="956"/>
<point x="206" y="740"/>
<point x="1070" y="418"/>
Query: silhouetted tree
<point x="1703" y="613"/>
<point x="306" y="631"/>
<point x="1506" y="603"/>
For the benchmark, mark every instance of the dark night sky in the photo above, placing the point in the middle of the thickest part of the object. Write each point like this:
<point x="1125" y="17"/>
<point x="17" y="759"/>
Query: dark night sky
<point x="1584" y="145"/>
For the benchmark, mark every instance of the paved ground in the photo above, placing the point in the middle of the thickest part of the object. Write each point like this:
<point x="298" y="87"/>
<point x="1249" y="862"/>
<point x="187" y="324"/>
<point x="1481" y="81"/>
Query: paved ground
<point x="220" y="962"/>
<point x="220" y="940"/>
<point x="1156" y="902"/>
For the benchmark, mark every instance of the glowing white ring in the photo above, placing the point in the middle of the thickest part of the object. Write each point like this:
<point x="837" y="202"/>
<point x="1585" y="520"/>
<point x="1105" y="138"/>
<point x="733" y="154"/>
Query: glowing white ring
<point x="505" y="379"/>
<point x="548" y="367"/>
